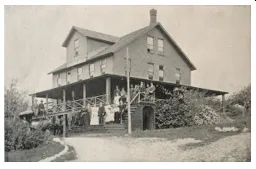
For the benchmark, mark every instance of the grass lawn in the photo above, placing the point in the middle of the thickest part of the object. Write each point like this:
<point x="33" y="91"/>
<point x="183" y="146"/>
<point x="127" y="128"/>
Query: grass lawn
<point x="205" y="133"/>
<point x="36" y="154"/>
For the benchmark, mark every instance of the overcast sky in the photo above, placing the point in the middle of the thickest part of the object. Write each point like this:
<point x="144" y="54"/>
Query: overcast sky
<point x="217" y="39"/>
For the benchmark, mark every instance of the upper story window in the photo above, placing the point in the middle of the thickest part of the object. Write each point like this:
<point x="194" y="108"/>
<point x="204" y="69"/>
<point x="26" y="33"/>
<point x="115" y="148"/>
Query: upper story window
<point x="178" y="75"/>
<point x="160" y="47"/>
<point x="161" y="73"/>
<point x="76" y="46"/>
<point x="79" y="73"/>
<point x="150" y="71"/>
<point x="58" y="80"/>
<point x="150" y="44"/>
<point x="91" y="70"/>
<point x="103" y="66"/>
<point x="68" y="77"/>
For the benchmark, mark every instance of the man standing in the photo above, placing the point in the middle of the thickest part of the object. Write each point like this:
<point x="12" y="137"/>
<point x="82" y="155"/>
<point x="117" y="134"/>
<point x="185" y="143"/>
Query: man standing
<point x="101" y="114"/>
<point x="152" y="91"/>
<point x="41" y="108"/>
<point x="89" y="113"/>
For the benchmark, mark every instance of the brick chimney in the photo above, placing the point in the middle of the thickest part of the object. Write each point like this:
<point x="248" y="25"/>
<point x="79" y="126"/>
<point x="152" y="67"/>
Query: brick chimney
<point x="153" y="14"/>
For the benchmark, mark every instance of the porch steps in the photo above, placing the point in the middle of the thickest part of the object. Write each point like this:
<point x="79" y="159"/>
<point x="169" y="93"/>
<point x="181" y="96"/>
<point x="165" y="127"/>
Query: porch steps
<point x="108" y="128"/>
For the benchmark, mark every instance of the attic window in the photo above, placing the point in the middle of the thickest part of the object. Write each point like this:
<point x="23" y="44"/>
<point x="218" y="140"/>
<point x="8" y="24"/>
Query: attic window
<point x="150" y="44"/>
<point x="91" y="70"/>
<point x="68" y="77"/>
<point x="178" y="75"/>
<point x="58" y="80"/>
<point x="103" y="66"/>
<point x="76" y="46"/>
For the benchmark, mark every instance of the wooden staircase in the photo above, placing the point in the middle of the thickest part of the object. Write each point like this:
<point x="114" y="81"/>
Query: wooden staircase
<point x="107" y="128"/>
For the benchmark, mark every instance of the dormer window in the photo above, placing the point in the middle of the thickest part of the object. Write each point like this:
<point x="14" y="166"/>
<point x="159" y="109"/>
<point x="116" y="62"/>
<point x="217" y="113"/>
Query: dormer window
<point x="76" y="46"/>
<point x="160" y="48"/>
<point x="150" y="44"/>
<point x="79" y="73"/>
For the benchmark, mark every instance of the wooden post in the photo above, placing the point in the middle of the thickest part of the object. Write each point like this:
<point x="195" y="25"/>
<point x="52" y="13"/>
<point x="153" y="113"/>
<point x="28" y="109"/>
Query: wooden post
<point x="46" y="106"/>
<point x="128" y="91"/>
<point x="84" y="94"/>
<point x="108" y="90"/>
<point x="223" y="104"/>
<point x="64" y="116"/>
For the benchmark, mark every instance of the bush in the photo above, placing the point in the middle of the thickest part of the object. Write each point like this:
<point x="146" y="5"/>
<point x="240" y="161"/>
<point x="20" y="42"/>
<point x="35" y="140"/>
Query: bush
<point x="18" y="135"/>
<point x="186" y="108"/>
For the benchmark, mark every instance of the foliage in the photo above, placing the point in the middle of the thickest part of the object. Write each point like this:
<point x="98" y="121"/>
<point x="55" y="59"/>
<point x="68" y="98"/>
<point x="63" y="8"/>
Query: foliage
<point x="187" y="108"/>
<point x="243" y="97"/>
<point x="19" y="135"/>
<point x="14" y="100"/>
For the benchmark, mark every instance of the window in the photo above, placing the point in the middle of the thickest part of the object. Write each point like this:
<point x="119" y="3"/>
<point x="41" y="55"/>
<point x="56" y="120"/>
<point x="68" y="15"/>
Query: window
<point x="59" y="80"/>
<point x="103" y="66"/>
<point x="178" y="75"/>
<point x="160" y="46"/>
<point x="91" y="70"/>
<point x="68" y="77"/>
<point x="150" y="71"/>
<point x="161" y="73"/>
<point x="150" y="44"/>
<point x="76" y="46"/>
<point x="79" y="73"/>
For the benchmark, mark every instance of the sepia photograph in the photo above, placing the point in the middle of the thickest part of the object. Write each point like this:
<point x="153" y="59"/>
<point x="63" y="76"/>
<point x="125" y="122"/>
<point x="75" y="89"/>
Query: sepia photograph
<point x="145" y="83"/>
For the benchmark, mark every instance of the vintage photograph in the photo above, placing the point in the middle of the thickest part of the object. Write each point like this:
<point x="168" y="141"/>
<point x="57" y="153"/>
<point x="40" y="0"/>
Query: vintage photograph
<point x="127" y="83"/>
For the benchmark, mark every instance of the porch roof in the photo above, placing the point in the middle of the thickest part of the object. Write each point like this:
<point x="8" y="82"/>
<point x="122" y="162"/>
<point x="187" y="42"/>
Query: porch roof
<point x="55" y="92"/>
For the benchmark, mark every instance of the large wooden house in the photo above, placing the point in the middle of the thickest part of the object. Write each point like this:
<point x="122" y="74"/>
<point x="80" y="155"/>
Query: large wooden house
<point x="96" y="63"/>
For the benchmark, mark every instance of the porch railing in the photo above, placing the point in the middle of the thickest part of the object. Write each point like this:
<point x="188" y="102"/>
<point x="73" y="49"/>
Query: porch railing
<point x="74" y="105"/>
<point x="142" y="97"/>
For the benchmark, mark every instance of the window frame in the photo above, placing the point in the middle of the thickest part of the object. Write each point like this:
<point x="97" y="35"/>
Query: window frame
<point x="103" y="64"/>
<point x="79" y="76"/>
<point x="68" y="77"/>
<point x="178" y="78"/>
<point x="150" y="73"/>
<point x="76" y="46"/>
<point x="91" y="73"/>
<point x="159" y="69"/>
<point x="160" y="47"/>
<point x="58" y="80"/>
<point x="149" y="46"/>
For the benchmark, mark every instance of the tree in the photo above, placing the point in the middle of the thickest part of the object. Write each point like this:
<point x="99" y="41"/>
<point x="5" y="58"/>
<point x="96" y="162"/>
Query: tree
<point x="15" y="101"/>
<point x="242" y="98"/>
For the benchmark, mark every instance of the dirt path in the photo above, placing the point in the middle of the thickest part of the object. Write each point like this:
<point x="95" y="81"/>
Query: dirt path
<point x="233" y="148"/>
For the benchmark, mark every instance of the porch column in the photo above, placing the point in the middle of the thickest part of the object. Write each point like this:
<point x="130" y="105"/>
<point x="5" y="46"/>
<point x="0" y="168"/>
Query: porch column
<point x="84" y="94"/>
<point x="223" y="104"/>
<point x="108" y="90"/>
<point x="46" y="106"/>
<point x="64" y="116"/>
<point x="33" y="100"/>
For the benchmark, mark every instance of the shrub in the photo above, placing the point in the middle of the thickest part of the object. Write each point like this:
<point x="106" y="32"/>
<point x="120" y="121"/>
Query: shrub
<point x="186" y="108"/>
<point x="19" y="135"/>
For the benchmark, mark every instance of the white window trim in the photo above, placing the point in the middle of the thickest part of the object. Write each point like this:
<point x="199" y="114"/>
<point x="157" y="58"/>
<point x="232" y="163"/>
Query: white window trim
<point x="161" y="52"/>
<point x="68" y="76"/>
<point x="150" y="47"/>
<point x="58" y="80"/>
<point x="159" y="72"/>
<point x="91" y="73"/>
<point x="79" y="76"/>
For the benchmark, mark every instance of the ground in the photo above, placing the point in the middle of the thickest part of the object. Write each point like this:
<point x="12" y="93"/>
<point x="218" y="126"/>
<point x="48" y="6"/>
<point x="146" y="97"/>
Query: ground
<point x="213" y="146"/>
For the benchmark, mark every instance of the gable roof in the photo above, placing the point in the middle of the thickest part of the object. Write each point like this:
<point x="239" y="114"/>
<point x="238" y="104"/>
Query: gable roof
<point x="91" y="34"/>
<point x="121" y="42"/>
<point x="125" y="40"/>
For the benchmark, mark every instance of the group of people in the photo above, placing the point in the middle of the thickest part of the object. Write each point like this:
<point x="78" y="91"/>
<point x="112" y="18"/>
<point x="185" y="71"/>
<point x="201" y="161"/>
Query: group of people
<point x="39" y="109"/>
<point x="120" y="97"/>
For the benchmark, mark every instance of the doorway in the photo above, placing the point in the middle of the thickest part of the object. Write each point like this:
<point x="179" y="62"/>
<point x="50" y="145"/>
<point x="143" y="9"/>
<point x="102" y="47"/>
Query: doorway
<point x="148" y="118"/>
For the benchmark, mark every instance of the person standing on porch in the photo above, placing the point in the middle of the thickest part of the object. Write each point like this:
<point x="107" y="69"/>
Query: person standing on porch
<point x="123" y="95"/>
<point x="147" y="91"/>
<point x="142" y="87"/>
<point x="117" y="91"/>
<point x="89" y="113"/>
<point x="132" y="89"/>
<point x="101" y="114"/>
<point x="41" y="108"/>
<point x="152" y="90"/>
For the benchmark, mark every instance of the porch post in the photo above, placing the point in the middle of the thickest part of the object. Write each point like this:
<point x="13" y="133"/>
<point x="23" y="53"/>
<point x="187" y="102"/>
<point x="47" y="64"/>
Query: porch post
<point x="84" y="94"/>
<point x="33" y="100"/>
<point x="64" y="115"/>
<point x="46" y="106"/>
<point x="223" y="104"/>
<point x="108" y="90"/>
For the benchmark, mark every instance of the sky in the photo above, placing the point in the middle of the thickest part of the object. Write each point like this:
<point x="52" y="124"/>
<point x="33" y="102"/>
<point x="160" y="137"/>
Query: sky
<point x="217" y="39"/>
